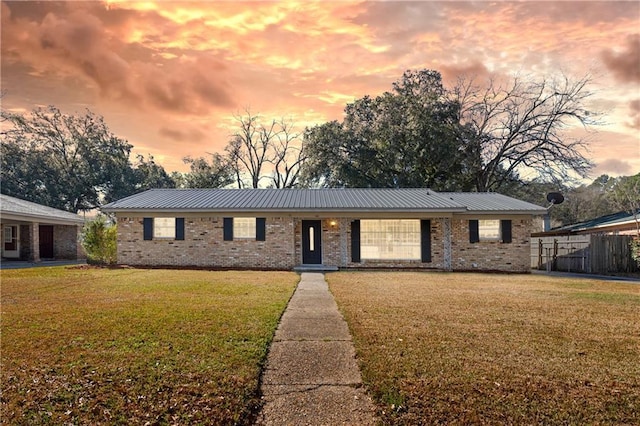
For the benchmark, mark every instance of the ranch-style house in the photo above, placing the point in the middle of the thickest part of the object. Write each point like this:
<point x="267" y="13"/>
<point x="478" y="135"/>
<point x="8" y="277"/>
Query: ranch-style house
<point x="324" y="229"/>
<point x="33" y="232"/>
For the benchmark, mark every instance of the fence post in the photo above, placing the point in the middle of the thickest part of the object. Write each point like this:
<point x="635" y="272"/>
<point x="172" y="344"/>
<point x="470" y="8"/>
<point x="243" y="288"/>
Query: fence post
<point x="539" y="253"/>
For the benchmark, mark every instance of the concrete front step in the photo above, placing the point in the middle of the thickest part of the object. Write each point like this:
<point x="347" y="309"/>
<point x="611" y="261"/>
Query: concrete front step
<point x="315" y="268"/>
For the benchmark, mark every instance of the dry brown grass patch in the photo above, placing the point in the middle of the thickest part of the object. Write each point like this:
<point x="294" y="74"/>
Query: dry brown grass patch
<point x="481" y="348"/>
<point x="133" y="346"/>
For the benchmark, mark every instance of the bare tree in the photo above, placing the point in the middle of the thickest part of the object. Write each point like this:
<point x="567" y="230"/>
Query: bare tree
<point x="248" y="149"/>
<point x="509" y="127"/>
<point x="258" y="151"/>
<point x="288" y="156"/>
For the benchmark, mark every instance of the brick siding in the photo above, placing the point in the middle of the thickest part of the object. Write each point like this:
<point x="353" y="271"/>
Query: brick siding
<point x="492" y="255"/>
<point x="203" y="246"/>
<point x="66" y="244"/>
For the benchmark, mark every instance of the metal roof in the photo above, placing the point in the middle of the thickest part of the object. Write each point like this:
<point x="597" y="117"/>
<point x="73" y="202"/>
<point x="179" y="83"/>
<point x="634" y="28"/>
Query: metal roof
<point x="596" y="224"/>
<point x="12" y="208"/>
<point x="317" y="200"/>
<point x="492" y="202"/>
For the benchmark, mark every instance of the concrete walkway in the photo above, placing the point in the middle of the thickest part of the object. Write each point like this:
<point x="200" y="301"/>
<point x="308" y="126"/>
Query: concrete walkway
<point x="311" y="376"/>
<point x="23" y="264"/>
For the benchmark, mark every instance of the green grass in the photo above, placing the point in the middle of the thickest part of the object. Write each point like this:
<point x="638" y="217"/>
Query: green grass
<point x="439" y="348"/>
<point x="132" y="346"/>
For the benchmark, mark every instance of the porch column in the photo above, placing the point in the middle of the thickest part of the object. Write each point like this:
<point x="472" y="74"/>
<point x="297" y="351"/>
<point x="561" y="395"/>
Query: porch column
<point x="34" y="242"/>
<point x="446" y="242"/>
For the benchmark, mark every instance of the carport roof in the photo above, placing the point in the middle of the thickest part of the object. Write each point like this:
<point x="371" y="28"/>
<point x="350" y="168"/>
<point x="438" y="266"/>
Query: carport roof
<point x="15" y="209"/>
<point x="318" y="200"/>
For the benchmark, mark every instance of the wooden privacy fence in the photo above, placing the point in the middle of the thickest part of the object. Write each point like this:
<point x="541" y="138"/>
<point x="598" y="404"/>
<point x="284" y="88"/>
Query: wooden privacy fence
<point x="592" y="254"/>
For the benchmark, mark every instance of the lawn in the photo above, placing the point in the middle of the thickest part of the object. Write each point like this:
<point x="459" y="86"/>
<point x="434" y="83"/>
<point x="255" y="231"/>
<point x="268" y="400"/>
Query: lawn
<point x="133" y="346"/>
<point x="442" y="348"/>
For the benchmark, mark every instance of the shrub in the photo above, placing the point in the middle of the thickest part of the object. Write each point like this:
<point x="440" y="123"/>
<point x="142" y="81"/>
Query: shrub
<point x="635" y="249"/>
<point x="99" y="241"/>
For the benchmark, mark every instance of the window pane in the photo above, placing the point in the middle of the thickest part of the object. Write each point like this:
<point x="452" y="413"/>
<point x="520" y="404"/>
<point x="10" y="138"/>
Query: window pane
<point x="8" y="234"/>
<point x="164" y="227"/>
<point x="390" y="239"/>
<point x="244" y="227"/>
<point x="489" y="230"/>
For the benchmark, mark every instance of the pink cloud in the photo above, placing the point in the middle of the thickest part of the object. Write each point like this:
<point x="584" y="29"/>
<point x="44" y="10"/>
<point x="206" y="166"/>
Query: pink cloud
<point x="634" y="106"/>
<point x="79" y="42"/>
<point x="625" y="65"/>
<point x="613" y="166"/>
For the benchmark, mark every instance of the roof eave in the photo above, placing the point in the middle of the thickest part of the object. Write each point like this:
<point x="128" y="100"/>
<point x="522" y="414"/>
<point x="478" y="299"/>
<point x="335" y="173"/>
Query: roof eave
<point x="44" y="219"/>
<point x="508" y="212"/>
<point x="286" y="211"/>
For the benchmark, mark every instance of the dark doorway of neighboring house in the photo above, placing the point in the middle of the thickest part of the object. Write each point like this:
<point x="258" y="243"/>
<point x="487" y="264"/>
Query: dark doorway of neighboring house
<point x="46" y="241"/>
<point x="312" y="242"/>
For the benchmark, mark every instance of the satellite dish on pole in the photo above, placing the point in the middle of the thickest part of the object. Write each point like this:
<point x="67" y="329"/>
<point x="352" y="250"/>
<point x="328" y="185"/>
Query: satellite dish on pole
<point x="555" y="198"/>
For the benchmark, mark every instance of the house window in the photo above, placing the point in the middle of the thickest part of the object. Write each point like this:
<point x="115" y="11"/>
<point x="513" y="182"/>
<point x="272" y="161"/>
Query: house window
<point x="244" y="227"/>
<point x="164" y="227"/>
<point x="8" y="234"/>
<point x="390" y="239"/>
<point x="489" y="230"/>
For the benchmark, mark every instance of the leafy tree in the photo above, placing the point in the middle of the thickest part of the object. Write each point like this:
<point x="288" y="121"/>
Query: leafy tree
<point x="99" y="239"/>
<point x="471" y="137"/>
<point x="626" y="196"/>
<point x="149" y="174"/>
<point x="64" y="161"/>
<point x="217" y="174"/>
<point x="516" y="125"/>
<point x="407" y="137"/>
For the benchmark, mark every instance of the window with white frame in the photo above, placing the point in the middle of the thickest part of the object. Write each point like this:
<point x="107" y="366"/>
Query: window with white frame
<point x="489" y="230"/>
<point x="390" y="239"/>
<point x="8" y="234"/>
<point x="164" y="227"/>
<point x="244" y="227"/>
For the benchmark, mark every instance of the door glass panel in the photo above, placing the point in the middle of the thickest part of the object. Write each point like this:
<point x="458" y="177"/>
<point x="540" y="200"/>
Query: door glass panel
<point x="311" y="239"/>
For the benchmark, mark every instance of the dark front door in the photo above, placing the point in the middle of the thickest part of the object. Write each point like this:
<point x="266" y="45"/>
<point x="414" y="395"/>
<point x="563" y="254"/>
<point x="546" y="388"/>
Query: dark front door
<point x="46" y="241"/>
<point x="311" y="242"/>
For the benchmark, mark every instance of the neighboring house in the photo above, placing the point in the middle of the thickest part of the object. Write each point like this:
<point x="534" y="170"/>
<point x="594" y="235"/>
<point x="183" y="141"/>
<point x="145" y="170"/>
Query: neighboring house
<point x="599" y="245"/>
<point x="33" y="232"/>
<point x="621" y="223"/>
<point x="325" y="228"/>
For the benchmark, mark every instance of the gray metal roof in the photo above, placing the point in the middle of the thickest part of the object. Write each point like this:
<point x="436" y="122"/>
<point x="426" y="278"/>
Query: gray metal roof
<point x="12" y="208"/>
<point x="492" y="202"/>
<point x="320" y="200"/>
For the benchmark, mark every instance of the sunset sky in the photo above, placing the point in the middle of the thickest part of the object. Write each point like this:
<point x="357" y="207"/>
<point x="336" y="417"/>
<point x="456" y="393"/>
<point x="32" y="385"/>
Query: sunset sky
<point x="168" y="76"/>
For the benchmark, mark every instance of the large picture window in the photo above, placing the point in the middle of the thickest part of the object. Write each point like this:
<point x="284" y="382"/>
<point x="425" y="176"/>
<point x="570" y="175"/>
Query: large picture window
<point x="390" y="239"/>
<point x="244" y="227"/>
<point x="164" y="227"/>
